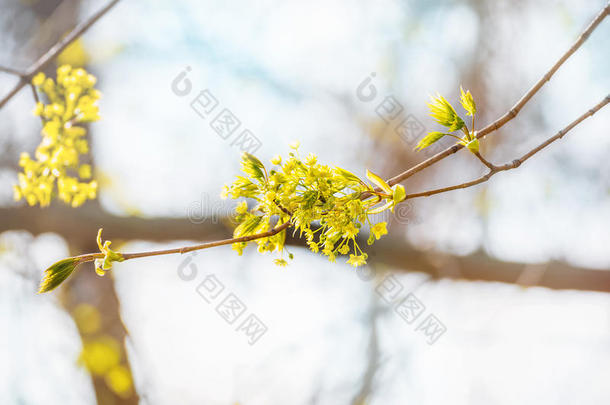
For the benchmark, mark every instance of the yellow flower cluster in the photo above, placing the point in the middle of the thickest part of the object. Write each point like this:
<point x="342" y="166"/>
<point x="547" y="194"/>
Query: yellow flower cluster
<point x="325" y="204"/>
<point x="70" y="100"/>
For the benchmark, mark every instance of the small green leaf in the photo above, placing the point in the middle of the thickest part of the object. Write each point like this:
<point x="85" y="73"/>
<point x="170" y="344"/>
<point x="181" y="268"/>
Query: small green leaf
<point x="347" y="175"/>
<point x="379" y="182"/>
<point x="252" y="166"/>
<point x="468" y="102"/>
<point x="429" y="140"/>
<point x="57" y="273"/>
<point x="444" y="113"/>
<point x="252" y="159"/>
<point x="248" y="226"/>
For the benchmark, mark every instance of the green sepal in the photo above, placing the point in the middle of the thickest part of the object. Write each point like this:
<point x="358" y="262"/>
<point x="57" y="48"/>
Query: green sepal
<point x="429" y="140"/>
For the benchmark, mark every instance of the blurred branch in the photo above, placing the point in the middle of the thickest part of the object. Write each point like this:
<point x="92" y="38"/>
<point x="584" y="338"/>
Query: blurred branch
<point x="493" y="169"/>
<point x="55" y="50"/>
<point x="480" y="266"/>
<point x="373" y="355"/>
<point x="10" y="71"/>
<point x="512" y="113"/>
<point x="79" y="226"/>
<point x="34" y="93"/>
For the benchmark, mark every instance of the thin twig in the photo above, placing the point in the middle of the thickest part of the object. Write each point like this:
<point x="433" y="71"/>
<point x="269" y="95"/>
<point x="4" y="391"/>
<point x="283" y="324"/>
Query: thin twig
<point x="11" y="71"/>
<point x="55" y="50"/>
<point x="517" y="162"/>
<point x="485" y="161"/>
<point x="92" y="256"/>
<point x="34" y="93"/>
<point x="512" y="113"/>
<point x="37" y="100"/>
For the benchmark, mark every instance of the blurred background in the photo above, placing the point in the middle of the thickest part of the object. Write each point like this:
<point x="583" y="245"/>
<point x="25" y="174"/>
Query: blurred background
<point x="493" y="294"/>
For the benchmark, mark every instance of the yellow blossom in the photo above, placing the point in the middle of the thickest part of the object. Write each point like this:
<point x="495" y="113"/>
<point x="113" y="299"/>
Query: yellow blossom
<point x="38" y="109"/>
<point x="38" y="79"/>
<point x="242" y="208"/>
<point x="357" y="260"/>
<point x="379" y="230"/>
<point x="84" y="171"/>
<point x="69" y="101"/>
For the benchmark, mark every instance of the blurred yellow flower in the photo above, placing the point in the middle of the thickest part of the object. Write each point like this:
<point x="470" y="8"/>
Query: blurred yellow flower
<point x="74" y="54"/>
<point x="87" y="318"/>
<point x="100" y="355"/>
<point x="118" y="380"/>
<point x="70" y="100"/>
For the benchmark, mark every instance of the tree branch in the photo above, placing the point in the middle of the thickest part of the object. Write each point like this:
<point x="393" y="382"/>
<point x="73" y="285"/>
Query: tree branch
<point x="207" y="245"/>
<point x="493" y="169"/>
<point x="34" y="93"/>
<point x="127" y="256"/>
<point x="55" y="50"/>
<point x="485" y="161"/>
<point x="77" y="227"/>
<point x="279" y="228"/>
<point x="10" y="71"/>
<point x="512" y="113"/>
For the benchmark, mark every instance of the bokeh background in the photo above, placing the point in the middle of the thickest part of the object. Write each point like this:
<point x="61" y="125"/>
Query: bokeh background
<point x="515" y="270"/>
